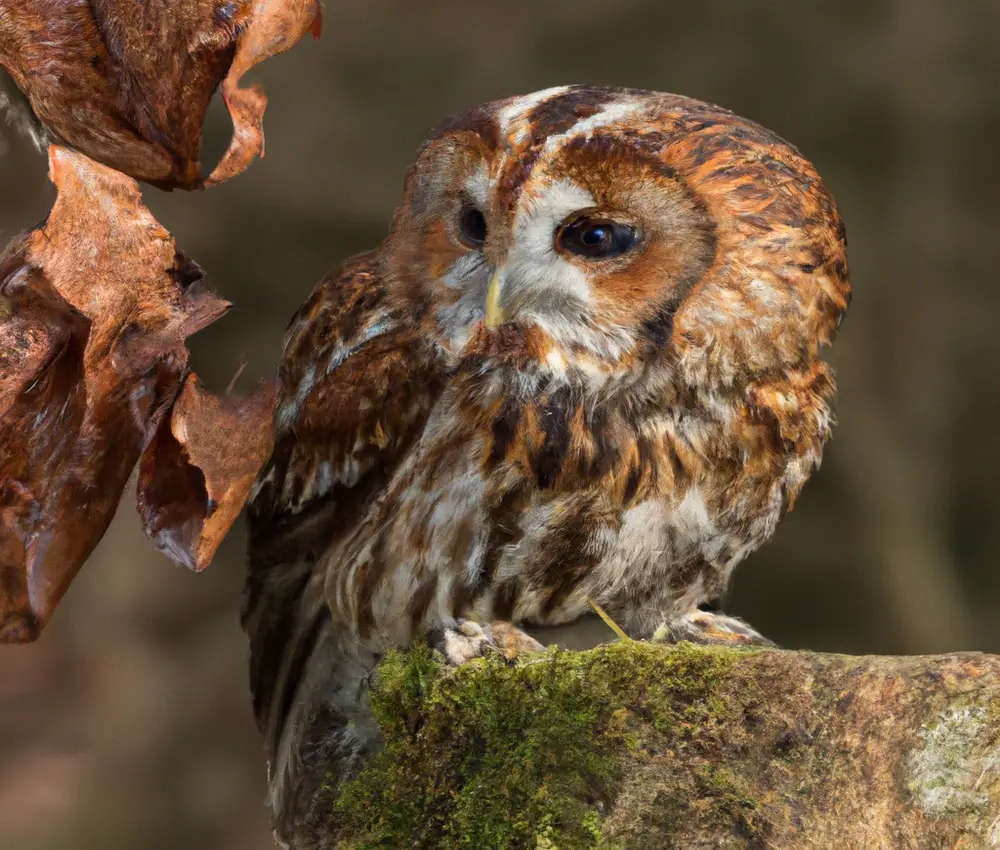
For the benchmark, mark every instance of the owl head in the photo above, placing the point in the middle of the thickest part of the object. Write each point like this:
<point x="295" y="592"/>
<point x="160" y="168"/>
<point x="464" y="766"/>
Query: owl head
<point x="601" y="232"/>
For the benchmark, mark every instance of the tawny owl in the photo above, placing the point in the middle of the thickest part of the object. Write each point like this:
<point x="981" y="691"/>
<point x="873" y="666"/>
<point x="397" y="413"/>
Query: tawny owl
<point x="584" y="365"/>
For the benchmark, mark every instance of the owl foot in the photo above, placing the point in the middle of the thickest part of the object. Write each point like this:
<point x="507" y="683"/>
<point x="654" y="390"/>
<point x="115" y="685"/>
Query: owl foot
<point x="468" y="640"/>
<point x="709" y="628"/>
<point x="513" y="642"/>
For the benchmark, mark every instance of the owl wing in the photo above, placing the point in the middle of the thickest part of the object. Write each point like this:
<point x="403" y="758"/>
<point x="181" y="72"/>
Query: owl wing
<point x="357" y="380"/>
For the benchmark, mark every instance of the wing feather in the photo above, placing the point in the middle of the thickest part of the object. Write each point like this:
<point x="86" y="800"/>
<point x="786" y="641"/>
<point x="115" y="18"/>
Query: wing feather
<point x="357" y="381"/>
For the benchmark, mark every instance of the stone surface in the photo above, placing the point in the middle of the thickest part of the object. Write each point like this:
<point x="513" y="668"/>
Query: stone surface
<point x="637" y="746"/>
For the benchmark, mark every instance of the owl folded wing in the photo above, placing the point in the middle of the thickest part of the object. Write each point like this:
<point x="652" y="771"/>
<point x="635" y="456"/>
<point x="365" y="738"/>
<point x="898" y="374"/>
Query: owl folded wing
<point x="357" y="380"/>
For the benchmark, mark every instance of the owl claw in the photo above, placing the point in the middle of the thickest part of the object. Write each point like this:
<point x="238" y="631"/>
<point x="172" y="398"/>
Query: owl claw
<point x="513" y="642"/>
<point x="709" y="628"/>
<point x="468" y="640"/>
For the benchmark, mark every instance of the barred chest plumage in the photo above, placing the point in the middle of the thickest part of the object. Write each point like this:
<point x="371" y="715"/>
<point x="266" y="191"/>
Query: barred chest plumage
<point x="528" y="494"/>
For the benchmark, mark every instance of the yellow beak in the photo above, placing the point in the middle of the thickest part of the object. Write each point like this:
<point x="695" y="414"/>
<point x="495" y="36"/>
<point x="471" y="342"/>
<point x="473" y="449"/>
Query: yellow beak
<point x="494" y="312"/>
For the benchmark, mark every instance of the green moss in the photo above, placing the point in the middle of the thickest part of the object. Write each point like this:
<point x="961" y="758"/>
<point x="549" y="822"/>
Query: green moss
<point x="532" y="755"/>
<point x="732" y="803"/>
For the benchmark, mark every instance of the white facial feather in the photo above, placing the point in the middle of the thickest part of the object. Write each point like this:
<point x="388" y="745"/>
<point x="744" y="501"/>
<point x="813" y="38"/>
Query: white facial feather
<point x="463" y="271"/>
<point x="469" y="275"/>
<point x="477" y="187"/>
<point x="540" y="214"/>
<point x="534" y="268"/>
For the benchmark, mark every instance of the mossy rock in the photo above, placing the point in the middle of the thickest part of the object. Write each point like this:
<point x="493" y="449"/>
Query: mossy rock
<point x="638" y="746"/>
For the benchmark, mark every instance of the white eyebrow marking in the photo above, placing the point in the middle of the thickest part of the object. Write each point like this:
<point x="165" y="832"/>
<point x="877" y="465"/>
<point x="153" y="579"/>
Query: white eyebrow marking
<point x="611" y="114"/>
<point x="477" y="185"/>
<point x="520" y="106"/>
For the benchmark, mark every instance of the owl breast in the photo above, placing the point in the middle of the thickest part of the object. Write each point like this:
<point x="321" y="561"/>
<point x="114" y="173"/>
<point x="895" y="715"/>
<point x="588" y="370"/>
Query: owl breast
<point x="522" y="502"/>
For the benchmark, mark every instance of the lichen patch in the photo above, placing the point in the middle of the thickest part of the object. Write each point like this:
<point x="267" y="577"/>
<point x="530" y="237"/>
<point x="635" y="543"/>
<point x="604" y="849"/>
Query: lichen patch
<point x="952" y="774"/>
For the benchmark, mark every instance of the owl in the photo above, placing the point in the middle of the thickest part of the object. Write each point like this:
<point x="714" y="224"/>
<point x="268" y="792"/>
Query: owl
<point x="583" y="368"/>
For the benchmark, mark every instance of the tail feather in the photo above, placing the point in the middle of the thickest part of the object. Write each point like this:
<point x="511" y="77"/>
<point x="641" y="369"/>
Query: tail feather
<point x="309" y="680"/>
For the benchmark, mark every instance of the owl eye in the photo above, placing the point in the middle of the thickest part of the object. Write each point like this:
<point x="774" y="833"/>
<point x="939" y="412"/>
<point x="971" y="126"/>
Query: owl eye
<point x="472" y="227"/>
<point x="596" y="239"/>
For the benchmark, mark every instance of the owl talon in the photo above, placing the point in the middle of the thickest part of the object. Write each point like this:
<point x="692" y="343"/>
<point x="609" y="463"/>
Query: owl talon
<point x="710" y="629"/>
<point x="468" y="640"/>
<point x="513" y="642"/>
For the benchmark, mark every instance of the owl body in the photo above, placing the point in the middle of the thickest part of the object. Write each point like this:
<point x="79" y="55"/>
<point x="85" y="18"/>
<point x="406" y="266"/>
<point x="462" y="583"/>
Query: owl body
<point x="583" y="365"/>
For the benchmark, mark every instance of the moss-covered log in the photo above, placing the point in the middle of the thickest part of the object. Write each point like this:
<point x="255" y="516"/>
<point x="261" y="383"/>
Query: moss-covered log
<point x="644" y="747"/>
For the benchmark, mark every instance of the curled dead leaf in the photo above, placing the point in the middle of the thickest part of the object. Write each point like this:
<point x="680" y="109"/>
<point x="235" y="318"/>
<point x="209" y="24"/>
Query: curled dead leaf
<point x="42" y="344"/>
<point x="276" y="26"/>
<point x="197" y="473"/>
<point x="129" y="83"/>
<point x="96" y="305"/>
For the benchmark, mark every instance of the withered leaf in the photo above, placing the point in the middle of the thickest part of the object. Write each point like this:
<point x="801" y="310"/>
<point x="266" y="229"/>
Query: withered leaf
<point x="197" y="473"/>
<point x="275" y="26"/>
<point x="129" y="83"/>
<point x="42" y="344"/>
<point x="94" y="308"/>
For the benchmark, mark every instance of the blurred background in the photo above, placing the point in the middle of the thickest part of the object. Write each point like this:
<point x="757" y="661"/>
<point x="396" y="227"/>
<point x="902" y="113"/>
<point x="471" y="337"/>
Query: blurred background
<point x="128" y="724"/>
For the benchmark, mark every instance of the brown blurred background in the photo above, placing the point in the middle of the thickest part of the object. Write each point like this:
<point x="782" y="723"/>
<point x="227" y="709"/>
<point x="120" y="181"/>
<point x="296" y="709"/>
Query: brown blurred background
<point x="128" y="725"/>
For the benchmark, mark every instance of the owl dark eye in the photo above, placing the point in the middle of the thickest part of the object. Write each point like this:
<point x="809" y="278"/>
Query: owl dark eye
<point x="472" y="226"/>
<point x="596" y="239"/>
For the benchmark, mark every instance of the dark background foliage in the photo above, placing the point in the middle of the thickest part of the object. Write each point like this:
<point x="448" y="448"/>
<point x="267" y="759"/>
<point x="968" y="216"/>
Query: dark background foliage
<point x="128" y="724"/>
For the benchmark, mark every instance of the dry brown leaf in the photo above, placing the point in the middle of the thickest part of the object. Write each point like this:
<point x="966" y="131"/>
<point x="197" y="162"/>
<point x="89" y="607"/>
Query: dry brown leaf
<point x="276" y="26"/>
<point x="129" y="83"/>
<point x="94" y="308"/>
<point x="42" y="343"/>
<point x="197" y="473"/>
